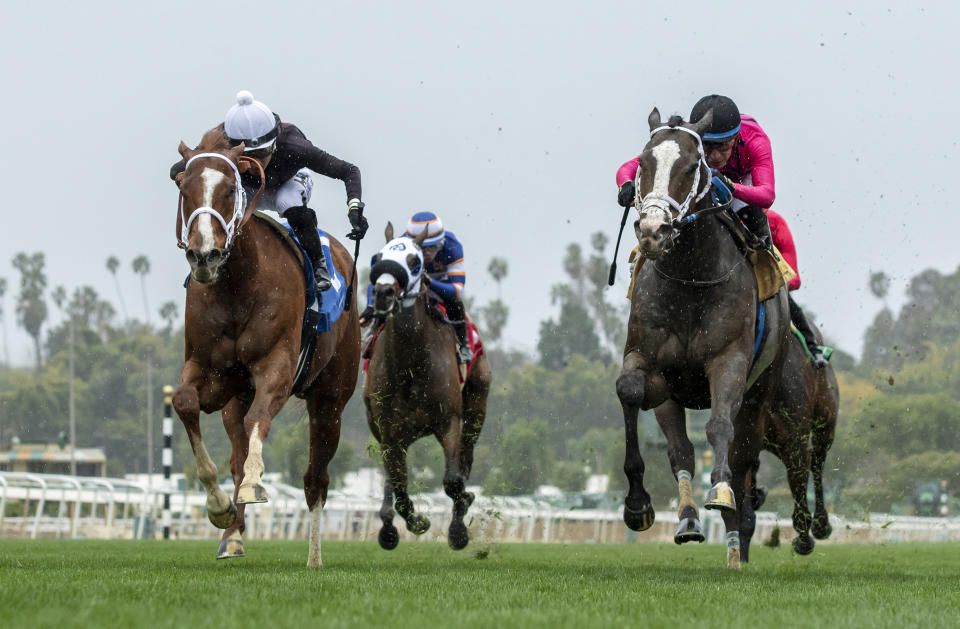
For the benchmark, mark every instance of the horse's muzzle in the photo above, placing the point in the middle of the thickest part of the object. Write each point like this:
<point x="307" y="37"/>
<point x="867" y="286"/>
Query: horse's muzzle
<point x="204" y="266"/>
<point x="654" y="242"/>
<point x="384" y="298"/>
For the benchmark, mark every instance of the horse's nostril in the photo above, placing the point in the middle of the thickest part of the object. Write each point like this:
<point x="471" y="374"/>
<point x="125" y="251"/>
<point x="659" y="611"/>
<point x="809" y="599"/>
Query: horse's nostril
<point x="214" y="256"/>
<point x="191" y="256"/>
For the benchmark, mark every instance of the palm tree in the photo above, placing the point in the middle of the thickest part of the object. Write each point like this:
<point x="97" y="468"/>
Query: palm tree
<point x="112" y="265"/>
<point x="141" y="266"/>
<point x="3" y="322"/>
<point x="31" y="306"/>
<point x="168" y="312"/>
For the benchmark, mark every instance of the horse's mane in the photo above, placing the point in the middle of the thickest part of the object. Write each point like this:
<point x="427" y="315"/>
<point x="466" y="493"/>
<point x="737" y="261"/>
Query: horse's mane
<point x="214" y="141"/>
<point x="675" y="121"/>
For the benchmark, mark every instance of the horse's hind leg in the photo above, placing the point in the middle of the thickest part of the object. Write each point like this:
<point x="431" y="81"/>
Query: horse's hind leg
<point x="454" y="483"/>
<point x="186" y="400"/>
<point x="388" y="537"/>
<point x="395" y="466"/>
<point x="638" y="513"/>
<point x="822" y="439"/>
<point x="748" y="515"/>
<point x="672" y="420"/>
<point x="231" y="542"/>
<point x="474" y="412"/>
<point x="325" y="411"/>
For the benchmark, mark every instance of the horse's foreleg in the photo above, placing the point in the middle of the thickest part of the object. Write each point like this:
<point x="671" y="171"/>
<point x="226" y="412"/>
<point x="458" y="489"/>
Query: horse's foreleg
<point x="186" y="401"/>
<point x="797" y="462"/>
<point x="638" y="513"/>
<point x="395" y="465"/>
<point x="727" y="375"/>
<point x="388" y="537"/>
<point x="454" y="483"/>
<point x="673" y="424"/>
<point x="231" y="542"/>
<point x="273" y="377"/>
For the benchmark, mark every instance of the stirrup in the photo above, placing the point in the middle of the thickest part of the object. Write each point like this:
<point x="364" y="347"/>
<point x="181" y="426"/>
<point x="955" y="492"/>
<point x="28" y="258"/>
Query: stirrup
<point x="464" y="354"/>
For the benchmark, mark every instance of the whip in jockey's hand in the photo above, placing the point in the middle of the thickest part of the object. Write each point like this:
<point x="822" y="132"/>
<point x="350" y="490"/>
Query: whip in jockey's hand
<point x="357" y="220"/>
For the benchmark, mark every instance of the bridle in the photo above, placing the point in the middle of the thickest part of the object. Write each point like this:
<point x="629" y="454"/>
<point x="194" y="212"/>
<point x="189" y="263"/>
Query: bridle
<point x="663" y="202"/>
<point x="405" y="299"/>
<point x="240" y="209"/>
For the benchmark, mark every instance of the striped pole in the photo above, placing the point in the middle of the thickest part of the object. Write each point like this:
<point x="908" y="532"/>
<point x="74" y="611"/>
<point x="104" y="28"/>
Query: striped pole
<point x="167" y="455"/>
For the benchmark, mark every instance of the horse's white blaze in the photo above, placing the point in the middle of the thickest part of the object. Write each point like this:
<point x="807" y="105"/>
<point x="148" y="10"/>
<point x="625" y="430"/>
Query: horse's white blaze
<point x="313" y="557"/>
<point x="253" y="466"/>
<point x="666" y="154"/>
<point x="211" y="179"/>
<point x="205" y="225"/>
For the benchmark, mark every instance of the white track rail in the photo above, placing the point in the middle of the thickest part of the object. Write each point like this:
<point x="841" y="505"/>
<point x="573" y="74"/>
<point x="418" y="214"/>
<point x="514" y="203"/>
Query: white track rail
<point x="48" y="505"/>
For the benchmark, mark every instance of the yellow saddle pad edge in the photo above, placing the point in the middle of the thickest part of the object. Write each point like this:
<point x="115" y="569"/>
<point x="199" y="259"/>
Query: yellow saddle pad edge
<point x="771" y="272"/>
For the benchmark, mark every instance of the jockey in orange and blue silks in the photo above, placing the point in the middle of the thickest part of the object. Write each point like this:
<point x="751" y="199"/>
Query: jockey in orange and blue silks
<point x="445" y="275"/>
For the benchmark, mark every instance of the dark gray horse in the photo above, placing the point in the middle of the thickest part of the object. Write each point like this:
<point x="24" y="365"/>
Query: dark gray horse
<point x="799" y="432"/>
<point x="691" y="338"/>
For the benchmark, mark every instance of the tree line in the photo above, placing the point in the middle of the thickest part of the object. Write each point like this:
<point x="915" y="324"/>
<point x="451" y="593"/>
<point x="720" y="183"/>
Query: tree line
<point x="553" y="417"/>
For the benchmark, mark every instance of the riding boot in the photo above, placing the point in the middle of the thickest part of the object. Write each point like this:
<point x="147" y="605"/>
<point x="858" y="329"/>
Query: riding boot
<point x="303" y="221"/>
<point x="755" y="220"/>
<point x="458" y="317"/>
<point x="800" y="321"/>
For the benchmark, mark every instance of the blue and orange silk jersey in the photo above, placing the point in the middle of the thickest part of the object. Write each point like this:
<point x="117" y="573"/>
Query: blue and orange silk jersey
<point x="447" y="272"/>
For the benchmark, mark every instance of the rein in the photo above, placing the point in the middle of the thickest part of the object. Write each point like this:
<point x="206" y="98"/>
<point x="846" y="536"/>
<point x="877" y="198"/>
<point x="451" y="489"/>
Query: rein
<point x="241" y="211"/>
<point x="700" y="283"/>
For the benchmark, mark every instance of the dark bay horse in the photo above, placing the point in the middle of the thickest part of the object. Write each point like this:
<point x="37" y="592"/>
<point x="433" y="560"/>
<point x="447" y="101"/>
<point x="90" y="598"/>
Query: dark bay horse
<point x="412" y="389"/>
<point x="799" y="432"/>
<point x="691" y="336"/>
<point x="244" y="312"/>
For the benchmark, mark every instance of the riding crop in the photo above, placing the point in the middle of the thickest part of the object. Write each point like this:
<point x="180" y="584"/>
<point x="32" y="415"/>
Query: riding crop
<point x="613" y="265"/>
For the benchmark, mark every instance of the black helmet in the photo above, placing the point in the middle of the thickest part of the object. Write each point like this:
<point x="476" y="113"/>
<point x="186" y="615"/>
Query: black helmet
<point x="726" y="117"/>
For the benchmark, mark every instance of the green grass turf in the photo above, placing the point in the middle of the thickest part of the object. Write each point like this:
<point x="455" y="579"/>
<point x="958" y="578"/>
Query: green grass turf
<point x="65" y="583"/>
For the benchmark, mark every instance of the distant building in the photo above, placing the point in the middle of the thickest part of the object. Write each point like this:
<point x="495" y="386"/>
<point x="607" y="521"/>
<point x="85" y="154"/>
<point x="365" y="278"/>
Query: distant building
<point x="41" y="458"/>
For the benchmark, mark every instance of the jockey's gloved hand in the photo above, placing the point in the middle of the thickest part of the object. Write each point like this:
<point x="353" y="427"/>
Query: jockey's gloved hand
<point x="367" y="315"/>
<point x="357" y="220"/>
<point x="627" y="194"/>
<point x="723" y="184"/>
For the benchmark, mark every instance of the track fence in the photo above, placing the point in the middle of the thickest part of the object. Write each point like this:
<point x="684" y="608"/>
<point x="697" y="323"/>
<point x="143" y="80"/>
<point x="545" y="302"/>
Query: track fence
<point x="50" y="505"/>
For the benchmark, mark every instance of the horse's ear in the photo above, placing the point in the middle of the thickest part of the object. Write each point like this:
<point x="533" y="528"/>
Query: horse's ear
<point x="654" y="119"/>
<point x="235" y="153"/>
<point x="419" y="238"/>
<point x="388" y="232"/>
<point x="703" y="125"/>
<point x="184" y="150"/>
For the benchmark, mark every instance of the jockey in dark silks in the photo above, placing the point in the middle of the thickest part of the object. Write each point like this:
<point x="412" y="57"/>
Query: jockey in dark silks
<point x="444" y="275"/>
<point x="739" y="153"/>
<point x="287" y="156"/>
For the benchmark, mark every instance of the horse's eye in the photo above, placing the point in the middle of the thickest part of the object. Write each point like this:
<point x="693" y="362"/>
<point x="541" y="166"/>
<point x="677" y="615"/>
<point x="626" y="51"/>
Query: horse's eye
<point x="232" y="191"/>
<point x="692" y="169"/>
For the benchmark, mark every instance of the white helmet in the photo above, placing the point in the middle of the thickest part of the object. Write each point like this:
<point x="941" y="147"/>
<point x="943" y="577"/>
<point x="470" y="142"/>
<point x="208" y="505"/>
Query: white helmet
<point x="251" y="122"/>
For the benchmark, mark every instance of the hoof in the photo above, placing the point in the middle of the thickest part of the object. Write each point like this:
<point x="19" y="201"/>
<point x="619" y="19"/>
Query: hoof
<point x="720" y="497"/>
<point x="733" y="559"/>
<point x="821" y="528"/>
<point x="458" y="536"/>
<point x="251" y="494"/>
<point x="639" y="520"/>
<point x="803" y="544"/>
<point x="759" y="497"/>
<point x="389" y="537"/>
<point x="690" y="530"/>
<point x="223" y="520"/>
<point x="468" y="498"/>
<point x="418" y="524"/>
<point x="231" y="547"/>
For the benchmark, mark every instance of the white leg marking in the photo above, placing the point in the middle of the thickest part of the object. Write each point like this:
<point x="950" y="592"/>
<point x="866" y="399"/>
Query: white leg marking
<point x="253" y="466"/>
<point x="217" y="499"/>
<point x="313" y="558"/>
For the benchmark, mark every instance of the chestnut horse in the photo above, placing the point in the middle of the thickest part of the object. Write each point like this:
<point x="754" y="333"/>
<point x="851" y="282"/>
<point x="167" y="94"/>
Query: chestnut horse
<point x="244" y="316"/>
<point x="412" y="389"/>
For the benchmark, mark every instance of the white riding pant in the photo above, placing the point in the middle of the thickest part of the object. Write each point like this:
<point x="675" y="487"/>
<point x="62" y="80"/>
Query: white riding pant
<point x="294" y="192"/>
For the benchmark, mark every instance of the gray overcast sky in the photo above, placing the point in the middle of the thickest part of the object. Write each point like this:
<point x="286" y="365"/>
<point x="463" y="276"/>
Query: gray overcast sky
<point x="509" y="119"/>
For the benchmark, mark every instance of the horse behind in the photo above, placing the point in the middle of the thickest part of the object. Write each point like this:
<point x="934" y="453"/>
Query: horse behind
<point x="691" y="336"/>
<point x="799" y="431"/>
<point x="244" y="314"/>
<point x="412" y="390"/>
